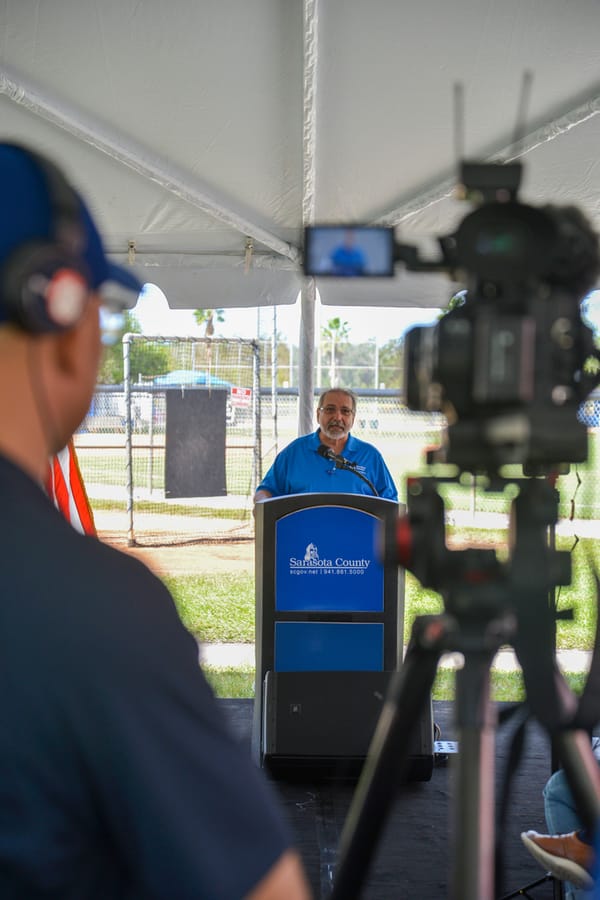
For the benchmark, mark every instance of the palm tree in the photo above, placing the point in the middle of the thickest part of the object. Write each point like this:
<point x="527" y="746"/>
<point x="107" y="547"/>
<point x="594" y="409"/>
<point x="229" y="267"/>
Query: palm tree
<point x="336" y="332"/>
<point x="207" y="317"/>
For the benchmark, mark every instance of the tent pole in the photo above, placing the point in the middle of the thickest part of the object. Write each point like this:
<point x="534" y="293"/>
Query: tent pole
<point x="306" y="412"/>
<point x="308" y="294"/>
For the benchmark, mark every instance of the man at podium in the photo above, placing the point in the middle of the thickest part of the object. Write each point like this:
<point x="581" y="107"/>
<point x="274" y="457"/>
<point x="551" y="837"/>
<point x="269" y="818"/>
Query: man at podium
<point x="330" y="459"/>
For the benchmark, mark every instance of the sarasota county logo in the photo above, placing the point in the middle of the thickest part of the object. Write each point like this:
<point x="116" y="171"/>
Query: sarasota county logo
<point x="311" y="563"/>
<point x="311" y="552"/>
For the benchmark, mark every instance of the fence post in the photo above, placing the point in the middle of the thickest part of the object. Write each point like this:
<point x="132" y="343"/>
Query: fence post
<point x="256" y="408"/>
<point x="127" y="338"/>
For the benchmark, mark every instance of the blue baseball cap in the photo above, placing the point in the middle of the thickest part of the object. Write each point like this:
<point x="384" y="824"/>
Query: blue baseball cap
<point x="28" y="214"/>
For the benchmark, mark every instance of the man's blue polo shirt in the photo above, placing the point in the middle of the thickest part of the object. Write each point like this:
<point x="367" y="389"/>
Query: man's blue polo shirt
<point x="348" y="261"/>
<point x="299" y="469"/>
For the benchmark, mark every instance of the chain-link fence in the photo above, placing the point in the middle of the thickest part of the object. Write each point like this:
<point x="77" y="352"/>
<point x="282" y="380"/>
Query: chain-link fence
<point x="126" y="467"/>
<point x="403" y="436"/>
<point x="175" y="456"/>
<point x="381" y="418"/>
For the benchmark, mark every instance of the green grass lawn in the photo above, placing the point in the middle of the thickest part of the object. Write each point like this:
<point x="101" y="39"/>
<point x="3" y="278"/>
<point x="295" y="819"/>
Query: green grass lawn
<point x="108" y="466"/>
<point x="505" y="686"/>
<point x="216" y="608"/>
<point x="220" y="608"/>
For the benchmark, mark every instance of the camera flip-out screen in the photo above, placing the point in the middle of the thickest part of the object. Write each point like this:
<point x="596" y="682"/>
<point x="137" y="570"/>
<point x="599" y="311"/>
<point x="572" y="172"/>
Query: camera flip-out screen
<point x="349" y="251"/>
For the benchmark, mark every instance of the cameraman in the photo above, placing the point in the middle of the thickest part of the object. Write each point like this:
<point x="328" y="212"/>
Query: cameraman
<point x="118" y="775"/>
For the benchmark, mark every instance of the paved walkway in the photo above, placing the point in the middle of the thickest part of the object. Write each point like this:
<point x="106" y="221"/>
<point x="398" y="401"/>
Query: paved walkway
<point x="242" y="656"/>
<point x="583" y="528"/>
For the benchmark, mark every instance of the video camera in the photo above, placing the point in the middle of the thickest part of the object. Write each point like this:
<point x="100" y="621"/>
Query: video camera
<point x="509" y="364"/>
<point x="511" y="360"/>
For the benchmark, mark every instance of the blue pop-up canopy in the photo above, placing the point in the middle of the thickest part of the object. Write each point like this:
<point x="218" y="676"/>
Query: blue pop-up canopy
<point x="189" y="376"/>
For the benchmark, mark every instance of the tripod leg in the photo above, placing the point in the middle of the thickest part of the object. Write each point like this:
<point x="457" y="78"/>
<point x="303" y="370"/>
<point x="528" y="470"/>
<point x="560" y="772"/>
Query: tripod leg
<point x="524" y="891"/>
<point x="388" y="755"/>
<point x="473" y="828"/>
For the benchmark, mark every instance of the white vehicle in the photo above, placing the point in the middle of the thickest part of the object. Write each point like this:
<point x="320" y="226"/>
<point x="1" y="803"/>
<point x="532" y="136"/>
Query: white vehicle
<point x="108" y="412"/>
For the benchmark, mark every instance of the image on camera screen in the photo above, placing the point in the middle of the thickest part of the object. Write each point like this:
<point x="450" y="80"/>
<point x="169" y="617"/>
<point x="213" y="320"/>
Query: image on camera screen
<point x="349" y="251"/>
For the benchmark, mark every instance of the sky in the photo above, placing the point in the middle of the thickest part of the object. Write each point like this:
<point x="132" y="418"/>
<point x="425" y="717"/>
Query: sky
<point x="156" y="318"/>
<point x="591" y="311"/>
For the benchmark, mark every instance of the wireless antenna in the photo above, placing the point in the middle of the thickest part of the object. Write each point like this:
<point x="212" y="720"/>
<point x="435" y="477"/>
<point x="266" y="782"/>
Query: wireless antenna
<point x="519" y="135"/>
<point x="459" y="136"/>
<point x="459" y="121"/>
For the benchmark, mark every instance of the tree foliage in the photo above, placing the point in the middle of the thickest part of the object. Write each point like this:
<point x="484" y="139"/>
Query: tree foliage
<point x="355" y="365"/>
<point x="145" y="359"/>
<point x="362" y="366"/>
<point x="336" y="330"/>
<point x="336" y="334"/>
<point x="282" y="366"/>
<point x="208" y="317"/>
<point x="391" y="363"/>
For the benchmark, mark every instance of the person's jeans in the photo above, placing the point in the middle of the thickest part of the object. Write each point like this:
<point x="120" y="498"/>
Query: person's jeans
<point x="562" y="818"/>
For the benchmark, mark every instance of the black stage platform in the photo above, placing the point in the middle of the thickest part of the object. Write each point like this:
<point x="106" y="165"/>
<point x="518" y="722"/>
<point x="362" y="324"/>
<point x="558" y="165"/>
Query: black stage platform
<point x="412" y="861"/>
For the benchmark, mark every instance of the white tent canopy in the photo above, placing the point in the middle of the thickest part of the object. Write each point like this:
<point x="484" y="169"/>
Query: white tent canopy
<point x="206" y="134"/>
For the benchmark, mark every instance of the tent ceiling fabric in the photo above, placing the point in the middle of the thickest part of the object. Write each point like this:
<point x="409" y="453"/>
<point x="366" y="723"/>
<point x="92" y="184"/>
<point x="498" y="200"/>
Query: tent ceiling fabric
<point x="185" y="125"/>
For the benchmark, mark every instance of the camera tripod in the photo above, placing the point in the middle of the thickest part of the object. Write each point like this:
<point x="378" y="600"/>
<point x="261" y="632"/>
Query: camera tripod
<point x="487" y="604"/>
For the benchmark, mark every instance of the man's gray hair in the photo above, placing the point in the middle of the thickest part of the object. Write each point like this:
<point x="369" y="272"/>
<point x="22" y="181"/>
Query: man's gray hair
<point x="342" y="390"/>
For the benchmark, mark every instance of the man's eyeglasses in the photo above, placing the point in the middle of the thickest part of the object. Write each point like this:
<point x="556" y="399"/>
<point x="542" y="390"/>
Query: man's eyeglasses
<point x="115" y="300"/>
<point x="344" y="411"/>
<point x="112" y="322"/>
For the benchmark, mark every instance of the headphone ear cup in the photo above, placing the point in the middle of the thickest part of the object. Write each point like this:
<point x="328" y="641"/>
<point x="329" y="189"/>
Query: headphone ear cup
<point x="42" y="289"/>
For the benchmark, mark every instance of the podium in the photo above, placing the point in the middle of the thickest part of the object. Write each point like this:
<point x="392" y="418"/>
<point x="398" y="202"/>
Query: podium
<point x="329" y="633"/>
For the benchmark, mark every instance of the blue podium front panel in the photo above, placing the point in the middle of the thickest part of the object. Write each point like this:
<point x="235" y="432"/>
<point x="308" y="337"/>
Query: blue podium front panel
<point x="327" y="561"/>
<point x="328" y="646"/>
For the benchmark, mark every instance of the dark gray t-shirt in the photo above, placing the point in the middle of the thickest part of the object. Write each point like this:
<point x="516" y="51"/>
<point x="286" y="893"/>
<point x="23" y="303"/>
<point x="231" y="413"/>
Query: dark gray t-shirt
<point x="118" y="775"/>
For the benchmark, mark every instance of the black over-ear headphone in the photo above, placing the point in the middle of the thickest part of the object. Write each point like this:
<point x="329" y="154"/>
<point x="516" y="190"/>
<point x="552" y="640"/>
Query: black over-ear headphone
<point x="44" y="284"/>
